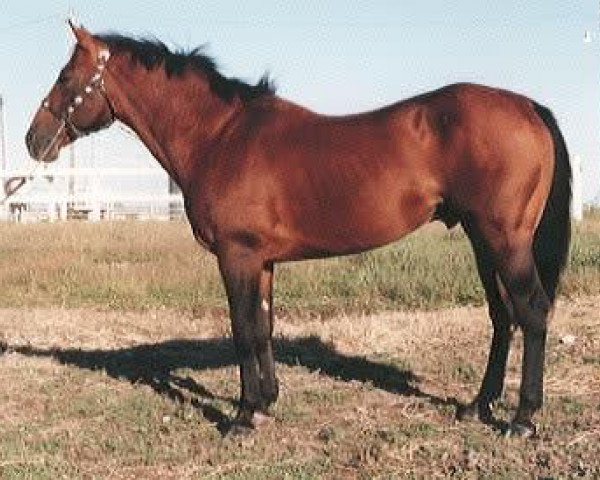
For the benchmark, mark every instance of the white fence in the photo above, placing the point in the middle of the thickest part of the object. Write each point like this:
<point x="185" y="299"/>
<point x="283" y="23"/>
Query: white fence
<point x="52" y="194"/>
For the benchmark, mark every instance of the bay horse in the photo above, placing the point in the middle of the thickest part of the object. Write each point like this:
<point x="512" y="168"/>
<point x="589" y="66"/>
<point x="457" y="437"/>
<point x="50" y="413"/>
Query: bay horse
<point x="266" y="181"/>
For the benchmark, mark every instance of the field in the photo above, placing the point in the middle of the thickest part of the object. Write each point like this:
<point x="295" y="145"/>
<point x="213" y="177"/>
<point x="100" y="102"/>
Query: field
<point x="116" y="362"/>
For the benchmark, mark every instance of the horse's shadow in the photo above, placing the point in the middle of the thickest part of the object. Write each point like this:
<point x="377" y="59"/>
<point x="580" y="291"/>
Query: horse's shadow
<point x="156" y="365"/>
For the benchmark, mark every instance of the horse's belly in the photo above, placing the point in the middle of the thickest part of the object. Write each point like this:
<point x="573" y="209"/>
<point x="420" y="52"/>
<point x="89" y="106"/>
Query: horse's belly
<point x="363" y="226"/>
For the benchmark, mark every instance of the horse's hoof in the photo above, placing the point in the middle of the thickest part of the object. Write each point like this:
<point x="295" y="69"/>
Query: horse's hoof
<point x="521" y="430"/>
<point x="240" y="430"/>
<point x="467" y="412"/>
<point x="474" y="411"/>
<point x="259" y="419"/>
<point x="245" y="423"/>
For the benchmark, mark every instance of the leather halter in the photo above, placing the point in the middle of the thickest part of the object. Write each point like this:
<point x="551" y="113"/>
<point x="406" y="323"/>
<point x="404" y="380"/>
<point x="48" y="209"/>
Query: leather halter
<point x="94" y="85"/>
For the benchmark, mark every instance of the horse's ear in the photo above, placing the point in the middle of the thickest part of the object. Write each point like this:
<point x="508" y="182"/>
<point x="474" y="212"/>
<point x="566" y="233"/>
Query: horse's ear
<point x="73" y="24"/>
<point x="83" y="37"/>
<point x="86" y="40"/>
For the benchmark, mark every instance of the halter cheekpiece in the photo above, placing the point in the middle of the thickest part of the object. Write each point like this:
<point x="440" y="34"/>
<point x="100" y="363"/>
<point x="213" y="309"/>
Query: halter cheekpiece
<point x="95" y="84"/>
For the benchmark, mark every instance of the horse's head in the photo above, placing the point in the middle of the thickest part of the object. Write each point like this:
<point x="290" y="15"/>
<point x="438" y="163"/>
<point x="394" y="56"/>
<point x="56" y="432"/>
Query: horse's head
<point x="77" y="103"/>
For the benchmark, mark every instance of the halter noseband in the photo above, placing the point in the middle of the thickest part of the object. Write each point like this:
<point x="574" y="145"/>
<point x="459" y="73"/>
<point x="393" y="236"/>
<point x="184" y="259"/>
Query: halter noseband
<point x="95" y="84"/>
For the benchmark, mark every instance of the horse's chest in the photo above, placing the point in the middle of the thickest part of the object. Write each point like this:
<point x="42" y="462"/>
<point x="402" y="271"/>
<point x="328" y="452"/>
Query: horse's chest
<point x="201" y="223"/>
<point x="204" y="238"/>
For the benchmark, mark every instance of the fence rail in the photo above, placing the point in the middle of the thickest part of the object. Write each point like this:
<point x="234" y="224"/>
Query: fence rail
<point x="43" y="199"/>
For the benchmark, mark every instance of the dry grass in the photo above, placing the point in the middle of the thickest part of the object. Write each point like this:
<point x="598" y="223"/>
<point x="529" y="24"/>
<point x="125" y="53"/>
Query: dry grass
<point x="96" y="393"/>
<point x="119" y="365"/>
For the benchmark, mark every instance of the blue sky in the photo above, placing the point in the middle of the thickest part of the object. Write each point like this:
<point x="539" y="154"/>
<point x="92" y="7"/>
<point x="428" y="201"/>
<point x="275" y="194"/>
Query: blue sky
<point x="336" y="56"/>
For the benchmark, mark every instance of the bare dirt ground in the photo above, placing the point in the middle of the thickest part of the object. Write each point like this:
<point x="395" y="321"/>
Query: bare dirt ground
<point x="88" y="393"/>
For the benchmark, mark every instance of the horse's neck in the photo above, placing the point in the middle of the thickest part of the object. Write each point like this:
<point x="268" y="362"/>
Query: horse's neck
<point x="176" y="118"/>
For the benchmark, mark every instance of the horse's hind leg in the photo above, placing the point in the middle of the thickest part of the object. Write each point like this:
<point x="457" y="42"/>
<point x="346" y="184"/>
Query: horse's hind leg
<point x="493" y="379"/>
<point x="531" y="307"/>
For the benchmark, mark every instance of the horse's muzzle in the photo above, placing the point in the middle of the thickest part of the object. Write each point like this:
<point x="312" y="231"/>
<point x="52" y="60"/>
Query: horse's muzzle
<point x="44" y="142"/>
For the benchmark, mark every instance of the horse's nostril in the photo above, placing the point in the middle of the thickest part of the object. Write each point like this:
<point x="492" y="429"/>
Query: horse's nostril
<point x="29" y="138"/>
<point x="30" y="141"/>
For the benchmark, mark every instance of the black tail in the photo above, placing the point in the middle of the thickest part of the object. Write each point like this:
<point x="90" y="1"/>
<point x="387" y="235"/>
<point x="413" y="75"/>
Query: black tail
<point x="552" y="238"/>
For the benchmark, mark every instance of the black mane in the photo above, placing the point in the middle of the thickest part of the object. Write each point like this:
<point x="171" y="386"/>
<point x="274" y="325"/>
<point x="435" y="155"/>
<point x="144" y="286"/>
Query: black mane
<point x="152" y="53"/>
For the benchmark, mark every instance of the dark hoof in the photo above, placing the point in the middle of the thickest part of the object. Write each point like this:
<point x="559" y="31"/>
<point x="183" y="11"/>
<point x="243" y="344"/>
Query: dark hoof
<point x="240" y="429"/>
<point x="260" y="419"/>
<point x="467" y="412"/>
<point x="246" y="423"/>
<point x="241" y="425"/>
<point x="474" y="411"/>
<point x="522" y="430"/>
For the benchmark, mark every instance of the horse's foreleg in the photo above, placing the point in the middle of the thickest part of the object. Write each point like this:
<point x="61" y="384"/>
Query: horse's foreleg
<point x="241" y="276"/>
<point x="249" y="291"/>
